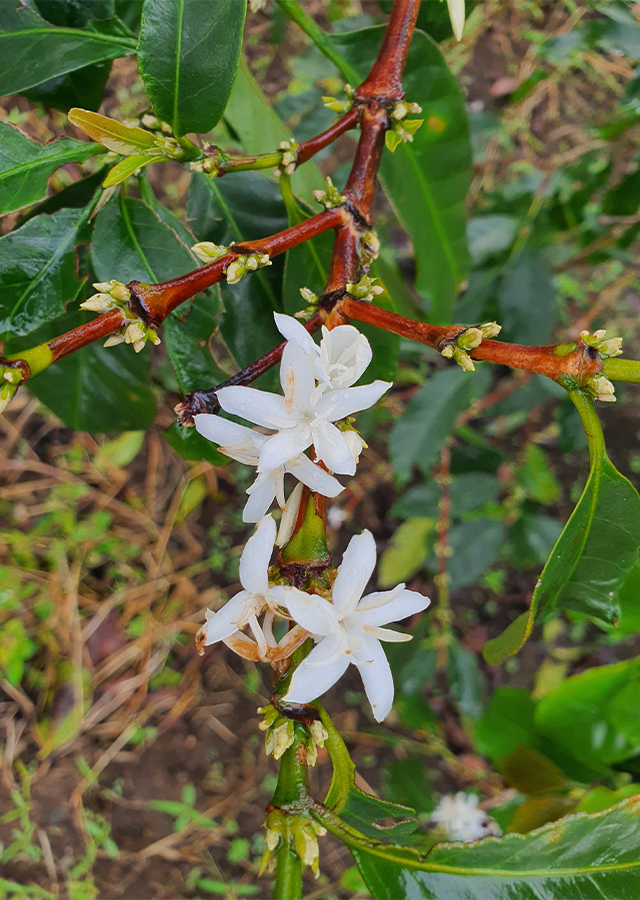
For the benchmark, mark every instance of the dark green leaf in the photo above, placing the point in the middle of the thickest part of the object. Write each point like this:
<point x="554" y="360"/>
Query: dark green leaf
<point x="427" y="180"/>
<point x="25" y="166"/>
<point x="490" y="235"/>
<point x="191" y="445"/>
<point x="582" y="857"/>
<point x="594" y="554"/>
<point x="465" y="680"/>
<point x="33" y="51"/>
<point x="38" y="270"/>
<point x="95" y="389"/>
<point x="629" y="598"/>
<point x="83" y="86"/>
<point x="75" y="13"/>
<point x="593" y="716"/>
<point x="507" y="723"/>
<point x="246" y="206"/>
<point x="370" y="815"/>
<point x="418" y="436"/>
<point x="474" y="547"/>
<point x="528" y="285"/>
<point x="406" y="782"/>
<point x="188" y="56"/>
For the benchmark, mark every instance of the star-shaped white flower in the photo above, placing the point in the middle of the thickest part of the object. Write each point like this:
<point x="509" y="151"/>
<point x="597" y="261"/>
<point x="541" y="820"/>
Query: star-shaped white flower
<point x="246" y="606"/>
<point x="341" y="357"/>
<point x="348" y="630"/>
<point x="244" y="445"/>
<point x="304" y="416"/>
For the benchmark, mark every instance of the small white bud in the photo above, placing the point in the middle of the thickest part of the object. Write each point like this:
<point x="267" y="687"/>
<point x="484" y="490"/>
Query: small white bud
<point x="399" y="111"/>
<point x="448" y="351"/>
<point x="465" y="362"/>
<point x="308" y="295"/>
<point x="208" y="252"/>
<point x="134" y="333"/>
<point x="104" y="286"/>
<point x="99" y="303"/>
<point x="599" y="334"/>
<point x="612" y="347"/>
<point x="490" y="329"/>
<point x="138" y="345"/>
<point x="235" y="271"/>
<point x="603" y="389"/>
<point x="113" y="340"/>
<point x="251" y="264"/>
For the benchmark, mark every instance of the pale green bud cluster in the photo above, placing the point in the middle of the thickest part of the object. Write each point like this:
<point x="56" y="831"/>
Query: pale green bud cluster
<point x="111" y="295"/>
<point x="210" y="165"/>
<point x="289" y="150"/>
<point x="244" y="264"/>
<point x="469" y="339"/>
<point x="611" y="347"/>
<point x="280" y="734"/>
<point x="402" y="129"/>
<point x="340" y="106"/>
<point x="330" y="197"/>
<point x="208" y="252"/>
<point x="312" y="304"/>
<point x="300" y="830"/>
<point x="116" y="295"/>
<point x="154" y="124"/>
<point x="601" y="388"/>
<point x="365" y="289"/>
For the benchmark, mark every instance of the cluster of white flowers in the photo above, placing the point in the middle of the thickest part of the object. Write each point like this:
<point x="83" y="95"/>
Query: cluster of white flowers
<point x="317" y="381"/>
<point x="317" y="384"/>
<point x="460" y="817"/>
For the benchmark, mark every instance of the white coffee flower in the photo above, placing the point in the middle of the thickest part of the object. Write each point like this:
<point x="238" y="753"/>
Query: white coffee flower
<point x="246" y="606"/>
<point x="348" y="629"/>
<point x="244" y="445"/>
<point x="461" y="818"/>
<point x="304" y="416"/>
<point x="341" y="357"/>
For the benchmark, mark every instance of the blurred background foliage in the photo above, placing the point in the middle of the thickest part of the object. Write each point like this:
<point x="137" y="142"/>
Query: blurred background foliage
<point x="112" y="544"/>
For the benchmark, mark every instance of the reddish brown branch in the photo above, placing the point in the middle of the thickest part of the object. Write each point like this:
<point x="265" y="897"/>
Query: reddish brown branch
<point x="309" y="148"/>
<point x="84" y="335"/>
<point x="385" y="78"/>
<point x="576" y="360"/>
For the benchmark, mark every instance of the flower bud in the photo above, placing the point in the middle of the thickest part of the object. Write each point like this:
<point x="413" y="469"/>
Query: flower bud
<point x="309" y="296"/>
<point x="602" y="389"/>
<point x="99" y="303"/>
<point x="208" y="252"/>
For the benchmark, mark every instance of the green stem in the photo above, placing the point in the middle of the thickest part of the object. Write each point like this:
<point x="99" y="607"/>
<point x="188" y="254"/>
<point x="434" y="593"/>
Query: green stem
<point x="287" y="884"/>
<point x="622" y="370"/>
<point x="319" y="37"/>
<point x="591" y="424"/>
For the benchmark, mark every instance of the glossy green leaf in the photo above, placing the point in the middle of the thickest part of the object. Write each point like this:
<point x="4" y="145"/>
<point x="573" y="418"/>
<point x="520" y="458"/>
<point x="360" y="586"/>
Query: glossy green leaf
<point x="126" y="167"/>
<point x="32" y="51"/>
<point x="580" y="856"/>
<point x="406" y="782"/>
<point x="188" y="56"/>
<point x="246" y="206"/>
<point x="25" y="166"/>
<point x="371" y="815"/>
<point x="427" y="180"/>
<point x="595" y="552"/>
<point x="95" y="389"/>
<point x="38" y="269"/>
<point x="507" y="723"/>
<point x="593" y="715"/>
<point x="629" y="599"/>
<point x="406" y="552"/>
<point x="431" y="414"/>
<point x="536" y="476"/>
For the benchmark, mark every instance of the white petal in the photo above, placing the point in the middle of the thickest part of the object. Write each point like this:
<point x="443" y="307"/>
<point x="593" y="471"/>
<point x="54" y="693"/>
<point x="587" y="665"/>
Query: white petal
<point x="373" y="610"/>
<point x="283" y="447"/>
<point x="346" y="349"/>
<point x="354" y="572"/>
<point x="222" y="624"/>
<point x="222" y="431"/>
<point x="313" y="612"/>
<point x="256" y="406"/>
<point x="376" y="676"/>
<point x="456" y="14"/>
<point x="333" y="449"/>
<point x="296" y="377"/>
<point x="313" y="476"/>
<point x="261" y="495"/>
<point x="256" y="556"/>
<point x="313" y="677"/>
<point x="290" y="516"/>
<point x="345" y="402"/>
<point x="293" y="330"/>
